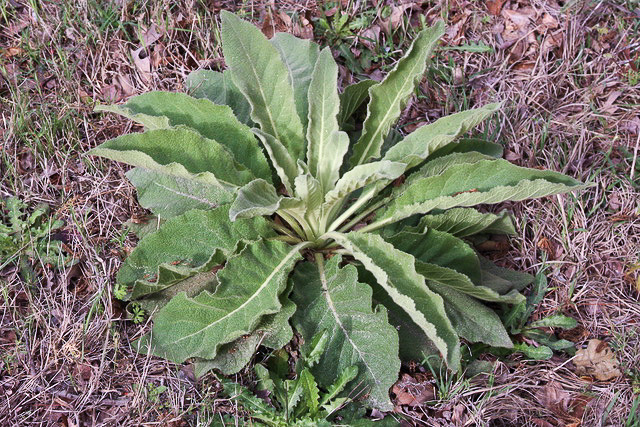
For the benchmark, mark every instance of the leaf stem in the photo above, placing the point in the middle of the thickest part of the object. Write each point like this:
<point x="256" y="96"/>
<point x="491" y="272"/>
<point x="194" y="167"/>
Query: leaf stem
<point x="281" y="228"/>
<point x="375" y="225"/>
<point x="351" y="210"/>
<point x="362" y="215"/>
<point x="293" y="223"/>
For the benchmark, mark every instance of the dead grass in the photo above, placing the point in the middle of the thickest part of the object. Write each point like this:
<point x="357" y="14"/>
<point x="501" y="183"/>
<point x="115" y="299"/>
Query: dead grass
<point x="571" y="105"/>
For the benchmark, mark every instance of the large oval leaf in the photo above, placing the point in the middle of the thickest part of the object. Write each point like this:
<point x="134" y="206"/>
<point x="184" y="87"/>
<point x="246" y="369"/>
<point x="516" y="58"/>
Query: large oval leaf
<point x="169" y="195"/>
<point x="197" y="327"/>
<point x="220" y="89"/>
<point x="330" y="298"/>
<point x="395" y="272"/>
<point x="468" y="184"/>
<point x="327" y="145"/>
<point x="181" y="152"/>
<point x="390" y="96"/>
<point x="212" y="121"/>
<point x="190" y="239"/>
<point x="259" y="73"/>
<point x="299" y="57"/>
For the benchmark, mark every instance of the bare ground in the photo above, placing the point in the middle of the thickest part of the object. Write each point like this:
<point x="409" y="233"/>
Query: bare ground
<point x="567" y="72"/>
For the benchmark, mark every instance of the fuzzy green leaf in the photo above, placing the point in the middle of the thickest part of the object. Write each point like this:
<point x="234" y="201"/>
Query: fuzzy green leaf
<point x="458" y="282"/>
<point x="169" y="195"/>
<point x="192" y="239"/>
<point x="261" y="76"/>
<point x="299" y="57"/>
<point x="327" y="144"/>
<point x="309" y="190"/>
<point x="330" y="298"/>
<point x="285" y="165"/>
<point x="465" y="145"/>
<point x="395" y="271"/>
<point x="472" y="320"/>
<point x="220" y="89"/>
<point x="468" y="184"/>
<point x="450" y="262"/>
<point x="171" y="280"/>
<point x="197" y="327"/>
<point x="258" y="198"/>
<point x="180" y="152"/>
<point x="361" y="176"/>
<point x="502" y="280"/>
<point x="352" y="98"/>
<point x="273" y="331"/>
<point x="440" y="248"/>
<point x="150" y="122"/>
<point x="463" y="222"/>
<point x="212" y="121"/>
<point x="421" y="143"/>
<point x="390" y="96"/>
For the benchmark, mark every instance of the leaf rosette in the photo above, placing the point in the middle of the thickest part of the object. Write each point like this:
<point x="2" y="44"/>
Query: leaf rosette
<point x="277" y="207"/>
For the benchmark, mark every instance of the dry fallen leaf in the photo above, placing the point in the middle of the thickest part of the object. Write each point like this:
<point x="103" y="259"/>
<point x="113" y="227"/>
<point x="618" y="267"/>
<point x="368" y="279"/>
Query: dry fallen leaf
<point x="597" y="360"/>
<point x="143" y="63"/>
<point x="411" y="392"/>
<point x="495" y="6"/>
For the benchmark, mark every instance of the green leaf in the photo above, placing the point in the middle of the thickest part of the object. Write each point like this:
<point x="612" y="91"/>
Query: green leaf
<point x="555" y="321"/>
<point x="310" y="389"/>
<point x="273" y="331"/>
<point x="169" y="196"/>
<point x="536" y="353"/>
<point x="258" y="198"/>
<point x="171" y="280"/>
<point x="179" y="152"/>
<point x="472" y="320"/>
<point x="352" y="98"/>
<point x="390" y="96"/>
<point x="315" y="349"/>
<point x="379" y="173"/>
<point x="440" y="248"/>
<point x="463" y="222"/>
<point x="327" y="144"/>
<point x="285" y="166"/>
<point x="309" y="190"/>
<point x="212" y="121"/>
<point x="346" y="376"/>
<point x="395" y="271"/>
<point x="244" y="295"/>
<point x="261" y="76"/>
<point x="329" y="298"/>
<point x="257" y="407"/>
<point x="465" y="145"/>
<point x="502" y="280"/>
<point x="442" y="164"/>
<point x="299" y="57"/>
<point x="220" y="89"/>
<point x="458" y="282"/>
<point x="150" y="122"/>
<point x="293" y="394"/>
<point x="468" y="184"/>
<point x="192" y="238"/>
<point x="230" y="358"/>
<point x="425" y="140"/>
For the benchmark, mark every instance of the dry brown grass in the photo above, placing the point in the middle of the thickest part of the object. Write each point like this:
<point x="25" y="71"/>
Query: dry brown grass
<point x="66" y="351"/>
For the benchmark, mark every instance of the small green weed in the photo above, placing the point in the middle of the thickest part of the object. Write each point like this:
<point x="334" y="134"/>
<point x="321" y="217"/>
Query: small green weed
<point x="297" y="401"/>
<point x="25" y="237"/>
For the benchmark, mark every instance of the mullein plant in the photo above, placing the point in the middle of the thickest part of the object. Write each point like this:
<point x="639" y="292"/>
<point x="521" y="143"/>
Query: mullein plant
<point x="278" y="209"/>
